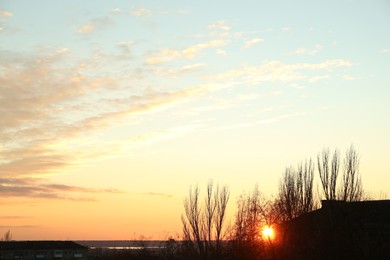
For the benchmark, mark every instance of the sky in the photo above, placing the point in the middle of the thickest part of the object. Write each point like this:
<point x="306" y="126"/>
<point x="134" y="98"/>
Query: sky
<point x="111" y="110"/>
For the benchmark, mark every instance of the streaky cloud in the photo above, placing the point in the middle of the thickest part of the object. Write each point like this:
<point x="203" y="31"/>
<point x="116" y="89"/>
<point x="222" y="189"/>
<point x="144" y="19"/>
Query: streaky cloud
<point x="190" y="52"/>
<point x="158" y="194"/>
<point x="4" y="13"/>
<point x="20" y="226"/>
<point x="87" y="28"/>
<point x="95" y="24"/>
<point x="311" y="52"/>
<point x="39" y="188"/>
<point x="253" y="42"/>
<point x="52" y="103"/>
<point x="14" y="217"/>
<point x="219" y="29"/>
<point x="276" y="71"/>
<point x="141" y="12"/>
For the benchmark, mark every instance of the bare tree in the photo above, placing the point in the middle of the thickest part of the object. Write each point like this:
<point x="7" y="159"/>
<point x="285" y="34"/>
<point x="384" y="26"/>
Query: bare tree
<point x="323" y="170"/>
<point x="240" y="218"/>
<point x="7" y="236"/>
<point x="221" y="199"/>
<point x="247" y="216"/>
<point x="192" y="226"/>
<point x="328" y="172"/>
<point x="254" y="212"/>
<point x="334" y="174"/>
<point x="288" y="194"/>
<point x="210" y="206"/>
<point x="203" y="223"/>
<point x="246" y="229"/>
<point x="296" y="190"/>
<point x="351" y="187"/>
<point x="306" y="172"/>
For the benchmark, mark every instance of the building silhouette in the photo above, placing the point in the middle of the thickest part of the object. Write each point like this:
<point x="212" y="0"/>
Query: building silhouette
<point x="338" y="230"/>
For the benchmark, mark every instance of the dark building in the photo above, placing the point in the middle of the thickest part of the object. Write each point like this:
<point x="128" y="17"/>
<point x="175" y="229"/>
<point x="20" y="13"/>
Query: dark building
<point x="339" y="230"/>
<point x="60" y="250"/>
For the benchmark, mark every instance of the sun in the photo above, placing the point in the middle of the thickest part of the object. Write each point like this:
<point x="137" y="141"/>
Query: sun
<point x="268" y="232"/>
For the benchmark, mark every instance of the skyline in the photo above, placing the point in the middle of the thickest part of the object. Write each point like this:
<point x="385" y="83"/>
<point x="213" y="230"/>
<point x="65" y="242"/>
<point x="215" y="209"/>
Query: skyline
<point x="110" y="111"/>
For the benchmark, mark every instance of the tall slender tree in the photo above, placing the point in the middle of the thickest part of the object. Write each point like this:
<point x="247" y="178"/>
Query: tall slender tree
<point x="328" y="172"/>
<point x="351" y="187"/>
<point x="204" y="223"/>
<point x="296" y="190"/>
<point x="7" y="236"/>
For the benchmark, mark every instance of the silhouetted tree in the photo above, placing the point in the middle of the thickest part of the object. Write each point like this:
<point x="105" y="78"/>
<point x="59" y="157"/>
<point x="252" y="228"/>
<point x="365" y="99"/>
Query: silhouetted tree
<point x="334" y="175"/>
<point x="296" y="190"/>
<point x="248" y="216"/>
<point x="192" y="226"/>
<point x="254" y="212"/>
<point x="351" y="187"/>
<point x="203" y="224"/>
<point x="210" y="206"/>
<point x="7" y="236"/>
<point x="328" y="172"/>
<point x="245" y="243"/>
<point x="221" y="199"/>
<point x="204" y="218"/>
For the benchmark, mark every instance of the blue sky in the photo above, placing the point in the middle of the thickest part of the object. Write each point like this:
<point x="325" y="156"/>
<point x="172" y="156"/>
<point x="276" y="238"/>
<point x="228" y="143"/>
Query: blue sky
<point x="130" y="102"/>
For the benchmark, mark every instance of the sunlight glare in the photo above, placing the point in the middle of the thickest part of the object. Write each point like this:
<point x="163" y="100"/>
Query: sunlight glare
<point x="268" y="232"/>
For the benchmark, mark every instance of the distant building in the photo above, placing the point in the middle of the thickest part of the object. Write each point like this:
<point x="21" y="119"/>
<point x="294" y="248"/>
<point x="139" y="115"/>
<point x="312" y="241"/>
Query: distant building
<point x="339" y="230"/>
<point x="26" y="250"/>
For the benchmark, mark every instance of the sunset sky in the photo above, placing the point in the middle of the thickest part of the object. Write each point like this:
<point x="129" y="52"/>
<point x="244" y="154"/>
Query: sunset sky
<point x="111" y="110"/>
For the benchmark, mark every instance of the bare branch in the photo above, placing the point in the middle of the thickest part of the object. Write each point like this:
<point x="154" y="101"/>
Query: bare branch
<point x="323" y="170"/>
<point x="351" y="188"/>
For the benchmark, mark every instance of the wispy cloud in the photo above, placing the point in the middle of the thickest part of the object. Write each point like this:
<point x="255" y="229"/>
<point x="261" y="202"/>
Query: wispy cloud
<point x="177" y="72"/>
<point x="3" y="16"/>
<point x="297" y="86"/>
<point x="318" y="78"/>
<point x="38" y="188"/>
<point x="116" y="11"/>
<point x="20" y="226"/>
<point x="87" y="28"/>
<point x="220" y="52"/>
<point x="4" y="13"/>
<point x="192" y="51"/>
<point x="95" y="24"/>
<point x="166" y="55"/>
<point x="13" y="217"/>
<point x="252" y="42"/>
<point x="312" y="51"/>
<point x="277" y="71"/>
<point x="125" y="47"/>
<point x="55" y="109"/>
<point x="219" y="29"/>
<point x="348" y="77"/>
<point x="158" y="194"/>
<point x="141" y="12"/>
<point x="52" y="112"/>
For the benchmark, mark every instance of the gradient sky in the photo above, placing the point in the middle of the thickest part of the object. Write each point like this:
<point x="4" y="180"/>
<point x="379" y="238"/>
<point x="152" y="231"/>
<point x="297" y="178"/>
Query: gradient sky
<point x="111" y="110"/>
